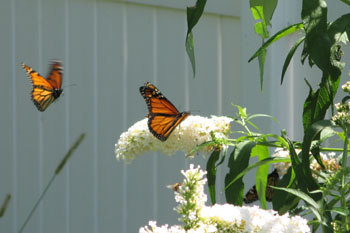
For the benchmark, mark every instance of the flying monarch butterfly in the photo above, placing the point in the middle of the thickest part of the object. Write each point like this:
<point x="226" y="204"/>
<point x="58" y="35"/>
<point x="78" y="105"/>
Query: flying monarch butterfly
<point x="163" y="117"/>
<point x="45" y="91"/>
<point x="252" y="195"/>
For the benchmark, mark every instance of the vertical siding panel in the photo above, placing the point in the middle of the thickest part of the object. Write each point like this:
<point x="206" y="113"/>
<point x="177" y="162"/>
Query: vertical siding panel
<point x="53" y="120"/>
<point x="155" y="174"/>
<point x="139" y="70"/>
<point x="27" y="141"/>
<point x="220" y="174"/>
<point x="7" y="176"/>
<point x="67" y="112"/>
<point x="81" y="114"/>
<point x="252" y="98"/>
<point x="110" y="95"/>
<point x="203" y="88"/>
<point x="125" y="115"/>
<point x="170" y="77"/>
<point x="231" y="64"/>
<point x="40" y="124"/>
<point x="95" y="119"/>
<point x="231" y="79"/>
<point x="219" y="65"/>
<point x="14" y="115"/>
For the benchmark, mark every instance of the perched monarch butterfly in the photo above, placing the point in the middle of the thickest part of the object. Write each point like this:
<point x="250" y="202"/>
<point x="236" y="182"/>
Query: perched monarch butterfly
<point x="252" y="195"/>
<point x="163" y="117"/>
<point x="45" y="91"/>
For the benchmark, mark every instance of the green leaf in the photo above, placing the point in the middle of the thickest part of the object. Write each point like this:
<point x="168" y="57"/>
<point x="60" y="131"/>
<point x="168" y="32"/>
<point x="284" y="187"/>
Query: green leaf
<point x="190" y="51"/>
<point x="282" y="201"/>
<point x="301" y="195"/>
<point x="317" y="43"/>
<point x="261" y="115"/>
<point x="282" y="33"/>
<point x="323" y="218"/>
<point x="346" y="2"/>
<point x="262" y="10"/>
<point x="199" y="147"/>
<point x="69" y="153"/>
<point x="261" y="59"/>
<point x="317" y="103"/>
<point x="327" y="133"/>
<point x="341" y="211"/>
<point x="312" y="132"/>
<point x="211" y="174"/>
<point x="280" y="139"/>
<point x="290" y="56"/>
<point x="257" y="164"/>
<point x="339" y="30"/>
<point x="4" y="205"/>
<point x="305" y="180"/>
<point x="261" y="175"/>
<point x="320" y="41"/>
<point x="238" y="161"/>
<point x="193" y="15"/>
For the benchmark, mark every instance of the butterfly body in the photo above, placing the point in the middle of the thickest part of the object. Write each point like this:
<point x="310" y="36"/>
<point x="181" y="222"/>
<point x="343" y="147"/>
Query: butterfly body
<point x="45" y="91"/>
<point x="163" y="116"/>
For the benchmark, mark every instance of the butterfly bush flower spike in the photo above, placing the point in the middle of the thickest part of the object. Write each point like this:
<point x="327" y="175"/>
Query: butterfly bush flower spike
<point x="227" y="218"/>
<point x="193" y="131"/>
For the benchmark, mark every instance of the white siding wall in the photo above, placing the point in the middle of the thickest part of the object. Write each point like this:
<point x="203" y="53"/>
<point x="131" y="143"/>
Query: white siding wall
<point x="109" y="49"/>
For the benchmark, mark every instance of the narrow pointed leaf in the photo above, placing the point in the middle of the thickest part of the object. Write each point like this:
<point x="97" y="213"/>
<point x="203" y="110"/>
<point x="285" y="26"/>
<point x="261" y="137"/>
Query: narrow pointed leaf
<point x="284" y="32"/>
<point x="69" y="153"/>
<point x="4" y="205"/>
<point x="193" y="15"/>
<point x="257" y="164"/>
<point x="261" y="174"/>
<point x="301" y="195"/>
<point x="211" y="174"/>
<point x="290" y="56"/>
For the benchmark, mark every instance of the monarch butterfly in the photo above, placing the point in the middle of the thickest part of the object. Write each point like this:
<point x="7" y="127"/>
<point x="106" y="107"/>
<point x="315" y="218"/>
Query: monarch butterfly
<point x="45" y="91"/>
<point x="163" y="117"/>
<point x="252" y="195"/>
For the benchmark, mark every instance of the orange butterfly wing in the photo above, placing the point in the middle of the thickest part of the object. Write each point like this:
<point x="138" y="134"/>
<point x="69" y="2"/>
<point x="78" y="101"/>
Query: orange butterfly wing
<point x="45" y="91"/>
<point x="55" y="75"/>
<point x="163" y="117"/>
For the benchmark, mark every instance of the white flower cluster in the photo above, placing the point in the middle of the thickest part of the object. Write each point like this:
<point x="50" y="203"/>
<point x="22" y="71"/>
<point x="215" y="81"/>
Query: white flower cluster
<point x="253" y="219"/>
<point x="342" y="118"/>
<point x="329" y="161"/>
<point x="282" y="167"/>
<point x="225" y="218"/>
<point x="193" y="131"/>
<point x="346" y="87"/>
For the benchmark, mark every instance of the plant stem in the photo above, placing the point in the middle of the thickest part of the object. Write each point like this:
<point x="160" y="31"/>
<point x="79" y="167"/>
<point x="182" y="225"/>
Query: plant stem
<point x="37" y="203"/>
<point x="342" y="190"/>
<point x="277" y="144"/>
